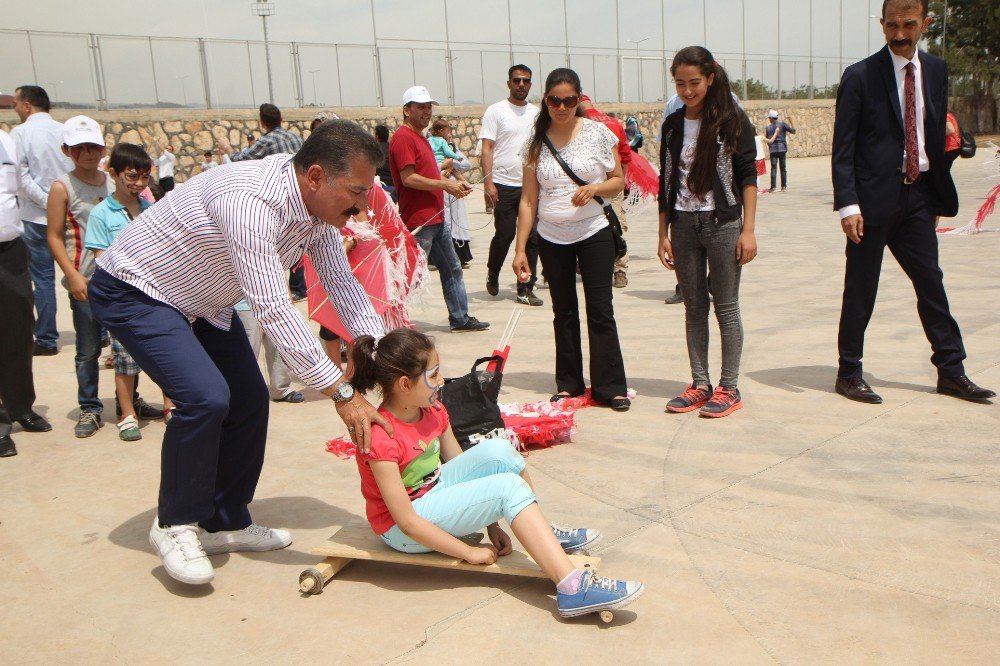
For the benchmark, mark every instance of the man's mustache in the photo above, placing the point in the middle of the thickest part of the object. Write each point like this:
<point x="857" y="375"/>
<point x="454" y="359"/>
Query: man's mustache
<point x="352" y="211"/>
<point x="901" y="42"/>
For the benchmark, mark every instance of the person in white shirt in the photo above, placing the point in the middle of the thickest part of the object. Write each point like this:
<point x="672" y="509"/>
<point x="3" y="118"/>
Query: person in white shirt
<point x="40" y="160"/>
<point x="165" y="289"/>
<point x="17" y="386"/>
<point x="506" y="127"/>
<point x="165" y="166"/>
<point x="208" y="161"/>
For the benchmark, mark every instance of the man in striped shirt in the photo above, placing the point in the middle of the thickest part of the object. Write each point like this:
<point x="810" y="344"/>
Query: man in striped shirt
<point x="166" y="287"/>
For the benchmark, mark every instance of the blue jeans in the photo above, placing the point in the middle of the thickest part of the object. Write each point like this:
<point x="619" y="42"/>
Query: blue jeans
<point x="43" y="276"/>
<point x="88" y="351"/>
<point x="435" y="239"/>
<point x="213" y="447"/>
<point x="476" y="489"/>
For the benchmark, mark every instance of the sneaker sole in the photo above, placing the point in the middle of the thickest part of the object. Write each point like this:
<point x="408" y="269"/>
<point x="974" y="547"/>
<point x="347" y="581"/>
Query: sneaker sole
<point x="597" y="608"/>
<point x="178" y="575"/>
<point x="240" y="548"/>
<point x="719" y="415"/>
<point x="684" y="410"/>
<point x="578" y="548"/>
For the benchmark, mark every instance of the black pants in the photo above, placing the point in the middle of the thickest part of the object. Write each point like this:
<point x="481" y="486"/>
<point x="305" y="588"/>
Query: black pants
<point x="596" y="256"/>
<point x="505" y="223"/>
<point x="17" y="385"/>
<point x="913" y="241"/>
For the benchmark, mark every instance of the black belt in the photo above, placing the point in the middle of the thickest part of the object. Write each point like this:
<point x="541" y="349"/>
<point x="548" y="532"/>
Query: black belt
<point x="6" y="245"/>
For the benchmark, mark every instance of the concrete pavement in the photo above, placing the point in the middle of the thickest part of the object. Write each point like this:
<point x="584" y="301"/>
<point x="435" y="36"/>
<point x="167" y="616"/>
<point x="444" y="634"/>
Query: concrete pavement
<point x="803" y="529"/>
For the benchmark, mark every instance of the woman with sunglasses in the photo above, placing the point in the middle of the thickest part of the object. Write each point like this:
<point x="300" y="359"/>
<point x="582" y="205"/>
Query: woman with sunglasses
<point x="708" y="205"/>
<point x="572" y="231"/>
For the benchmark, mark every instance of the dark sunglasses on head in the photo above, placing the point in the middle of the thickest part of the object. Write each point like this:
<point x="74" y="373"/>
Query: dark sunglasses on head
<point x="521" y="79"/>
<point x="570" y="101"/>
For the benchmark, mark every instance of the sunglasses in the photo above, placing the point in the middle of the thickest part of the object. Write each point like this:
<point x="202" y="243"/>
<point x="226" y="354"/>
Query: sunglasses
<point x="570" y="101"/>
<point x="520" y="79"/>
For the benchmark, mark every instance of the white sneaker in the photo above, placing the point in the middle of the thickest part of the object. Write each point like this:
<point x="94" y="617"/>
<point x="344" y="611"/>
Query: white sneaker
<point x="182" y="554"/>
<point x="253" y="538"/>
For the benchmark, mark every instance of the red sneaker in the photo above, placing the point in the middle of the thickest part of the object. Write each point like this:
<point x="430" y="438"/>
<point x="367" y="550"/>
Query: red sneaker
<point x="723" y="403"/>
<point x="690" y="400"/>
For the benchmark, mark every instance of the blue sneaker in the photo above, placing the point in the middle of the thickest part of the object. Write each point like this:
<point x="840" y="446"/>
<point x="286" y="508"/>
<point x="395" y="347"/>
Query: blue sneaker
<point x="598" y="594"/>
<point x="573" y="539"/>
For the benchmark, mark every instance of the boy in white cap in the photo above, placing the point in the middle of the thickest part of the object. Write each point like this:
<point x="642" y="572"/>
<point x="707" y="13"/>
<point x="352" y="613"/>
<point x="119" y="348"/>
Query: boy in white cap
<point x="72" y="196"/>
<point x="775" y="134"/>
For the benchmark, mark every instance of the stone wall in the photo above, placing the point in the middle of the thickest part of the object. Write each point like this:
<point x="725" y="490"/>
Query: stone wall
<point x="191" y="132"/>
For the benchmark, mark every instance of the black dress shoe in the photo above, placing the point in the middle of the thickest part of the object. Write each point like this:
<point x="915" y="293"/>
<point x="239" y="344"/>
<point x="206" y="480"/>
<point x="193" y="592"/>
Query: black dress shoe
<point x="34" y="423"/>
<point x="44" y="351"/>
<point x="962" y="387"/>
<point x="7" y="448"/>
<point x="855" y="388"/>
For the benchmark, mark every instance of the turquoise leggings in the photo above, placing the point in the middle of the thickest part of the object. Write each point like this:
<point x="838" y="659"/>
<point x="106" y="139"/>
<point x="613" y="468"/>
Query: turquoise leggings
<point x="476" y="489"/>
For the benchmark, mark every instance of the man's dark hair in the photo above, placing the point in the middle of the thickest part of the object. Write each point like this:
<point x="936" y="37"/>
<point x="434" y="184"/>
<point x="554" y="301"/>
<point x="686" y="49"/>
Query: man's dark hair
<point x="270" y="115"/>
<point x="517" y="68"/>
<point x="334" y="144"/>
<point x="208" y="153"/>
<point x="35" y="96"/>
<point x="382" y="133"/>
<point x="129" y="156"/>
<point x="922" y="3"/>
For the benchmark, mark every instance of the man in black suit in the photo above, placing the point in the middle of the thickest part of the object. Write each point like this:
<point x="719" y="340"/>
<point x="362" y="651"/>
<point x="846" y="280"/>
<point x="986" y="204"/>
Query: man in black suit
<point x="891" y="181"/>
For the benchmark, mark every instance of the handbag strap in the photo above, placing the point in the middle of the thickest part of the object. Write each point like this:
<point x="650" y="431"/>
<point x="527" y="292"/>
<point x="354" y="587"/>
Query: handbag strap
<point x="484" y="359"/>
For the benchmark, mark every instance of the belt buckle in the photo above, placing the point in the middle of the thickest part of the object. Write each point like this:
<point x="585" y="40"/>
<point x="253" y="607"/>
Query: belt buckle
<point x="907" y="181"/>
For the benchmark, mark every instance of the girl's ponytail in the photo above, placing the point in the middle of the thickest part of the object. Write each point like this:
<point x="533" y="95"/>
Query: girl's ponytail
<point x="402" y="352"/>
<point x="364" y="377"/>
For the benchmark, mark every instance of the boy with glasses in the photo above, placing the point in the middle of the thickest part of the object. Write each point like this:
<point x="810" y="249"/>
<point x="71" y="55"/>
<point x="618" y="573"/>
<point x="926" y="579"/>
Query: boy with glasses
<point x="129" y="167"/>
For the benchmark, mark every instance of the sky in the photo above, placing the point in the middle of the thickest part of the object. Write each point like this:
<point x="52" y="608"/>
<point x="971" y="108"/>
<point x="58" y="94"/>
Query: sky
<point x="413" y="38"/>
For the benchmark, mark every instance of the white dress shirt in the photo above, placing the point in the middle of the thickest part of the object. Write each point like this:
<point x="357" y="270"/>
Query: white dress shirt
<point x="10" y="215"/>
<point x="236" y="230"/>
<point x="39" y="147"/>
<point x="899" y="66"/>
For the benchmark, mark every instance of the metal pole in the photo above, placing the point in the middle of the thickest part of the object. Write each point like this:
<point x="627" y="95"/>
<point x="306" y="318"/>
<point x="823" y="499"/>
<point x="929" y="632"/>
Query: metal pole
<point x="102" y="102"/>
<point x="378" y="63"/>
<point x="510" y="37"/>
<point x="812" y="86"/>
<point x="663" y="50"/>
<point x="312" y="73"/>
<point x="482" y="78"/>
<point x="267" y="54"/>
<point x="449" y="74"/>
<point x="204" y="73"/>
<point x="743" y="33"/>
<point x="704" y="23"/>
<point x="152" y="64"/>
<point x="566" y="30"/>
<point x="618" y="54"/>
<point x="300" y="95"/>
<point x="413" y="66"/>
<point x="31" y="53"/>
<point x="340" y="90"/>
<point x="944" y="31"/>
<point x="779" y="48"/>
<point x="253" y="95"/>
<point x="840" y="39"/>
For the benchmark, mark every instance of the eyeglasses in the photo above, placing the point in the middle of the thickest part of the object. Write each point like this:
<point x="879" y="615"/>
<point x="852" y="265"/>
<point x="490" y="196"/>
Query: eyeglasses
<point x="570" y="101"/>
<point x="520" y="79"/>
<point x="134" y="176"/>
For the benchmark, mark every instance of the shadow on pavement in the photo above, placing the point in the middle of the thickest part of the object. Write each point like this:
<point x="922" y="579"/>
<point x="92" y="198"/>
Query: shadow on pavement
<point x="799" y="378"/>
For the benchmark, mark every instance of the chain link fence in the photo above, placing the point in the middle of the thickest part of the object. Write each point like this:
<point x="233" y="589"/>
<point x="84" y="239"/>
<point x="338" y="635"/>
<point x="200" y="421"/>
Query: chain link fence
<point x="117" y="71"/>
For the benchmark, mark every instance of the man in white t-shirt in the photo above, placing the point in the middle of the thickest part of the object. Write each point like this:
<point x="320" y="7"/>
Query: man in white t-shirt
<point x="506" y="127"/>
<point x="165" y="166"/>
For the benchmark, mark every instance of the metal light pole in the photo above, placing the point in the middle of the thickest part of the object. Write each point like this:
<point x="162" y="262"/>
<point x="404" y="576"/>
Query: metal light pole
<point x="263" y="10"/>
<point x="183" y="87"/>
<point x="638" y="62"/>
<point x="944" y="31"/>
<point x="313" y="73"/>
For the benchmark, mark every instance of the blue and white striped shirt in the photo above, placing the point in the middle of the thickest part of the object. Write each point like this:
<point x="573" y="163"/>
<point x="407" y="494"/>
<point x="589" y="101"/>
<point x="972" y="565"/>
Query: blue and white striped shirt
<point x="235" y="230"/>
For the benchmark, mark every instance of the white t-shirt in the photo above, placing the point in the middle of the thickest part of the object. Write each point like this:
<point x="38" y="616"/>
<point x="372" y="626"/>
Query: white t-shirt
<point x="591" y="155"/>
<point x="686" y="200"/>
<point x="205" y="166"/>
<point x="509" y="127"/>
<point x="165" y="165"/>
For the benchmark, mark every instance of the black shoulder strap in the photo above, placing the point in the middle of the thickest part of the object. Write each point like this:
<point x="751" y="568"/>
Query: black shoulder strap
<point x="565" y="167"/>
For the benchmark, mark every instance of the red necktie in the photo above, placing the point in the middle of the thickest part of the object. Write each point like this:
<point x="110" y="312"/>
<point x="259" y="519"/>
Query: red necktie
<point x="910" y="118"/>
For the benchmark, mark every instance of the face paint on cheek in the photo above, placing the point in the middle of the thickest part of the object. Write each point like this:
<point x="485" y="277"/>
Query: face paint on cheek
<point x="435" y="388"/>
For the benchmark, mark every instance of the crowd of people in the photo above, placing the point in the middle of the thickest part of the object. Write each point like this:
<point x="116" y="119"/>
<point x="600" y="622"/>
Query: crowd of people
<point x="192" y="309"/>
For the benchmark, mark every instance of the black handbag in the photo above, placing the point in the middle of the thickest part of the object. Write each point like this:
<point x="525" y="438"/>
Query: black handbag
<point x="621" y="247"/>
<point x="967" y="148"/>
<point x="471" y="402"/>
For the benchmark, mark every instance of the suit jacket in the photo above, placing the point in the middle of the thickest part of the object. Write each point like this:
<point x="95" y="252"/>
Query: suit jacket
<point x="869" y="138"/>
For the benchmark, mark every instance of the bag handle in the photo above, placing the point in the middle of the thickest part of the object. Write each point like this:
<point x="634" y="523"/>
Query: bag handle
<point x="484" y="359"/>
<point x="609" y="212"/>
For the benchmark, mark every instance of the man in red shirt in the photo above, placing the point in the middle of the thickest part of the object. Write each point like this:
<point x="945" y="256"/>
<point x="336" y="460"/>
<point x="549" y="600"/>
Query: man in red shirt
<point x="625" y="154"/>
<point x="421" y="202"/>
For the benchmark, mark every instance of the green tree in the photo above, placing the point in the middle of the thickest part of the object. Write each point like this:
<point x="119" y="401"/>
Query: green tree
<point x="971" y="46"/>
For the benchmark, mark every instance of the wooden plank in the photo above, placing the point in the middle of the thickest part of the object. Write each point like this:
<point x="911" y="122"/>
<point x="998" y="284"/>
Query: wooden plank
<point x="356" y="541"/>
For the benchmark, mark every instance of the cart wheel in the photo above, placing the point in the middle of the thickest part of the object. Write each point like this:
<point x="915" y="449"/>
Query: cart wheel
<point x="310" y="581"/>
<point x="607" y="616"/>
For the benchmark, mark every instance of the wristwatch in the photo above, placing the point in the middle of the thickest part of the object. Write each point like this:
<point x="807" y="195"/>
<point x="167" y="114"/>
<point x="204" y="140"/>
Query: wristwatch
<point x="343" y="392"/>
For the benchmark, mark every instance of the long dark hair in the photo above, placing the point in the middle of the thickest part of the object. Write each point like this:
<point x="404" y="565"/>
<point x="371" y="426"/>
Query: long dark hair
<point x="402" y="352"/>
<point x="720" y="117"/>
<point x="544" y="120"/>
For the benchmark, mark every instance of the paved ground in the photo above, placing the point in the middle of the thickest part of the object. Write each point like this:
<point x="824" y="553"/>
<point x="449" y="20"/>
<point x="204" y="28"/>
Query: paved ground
<point x="804" y="528"/>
